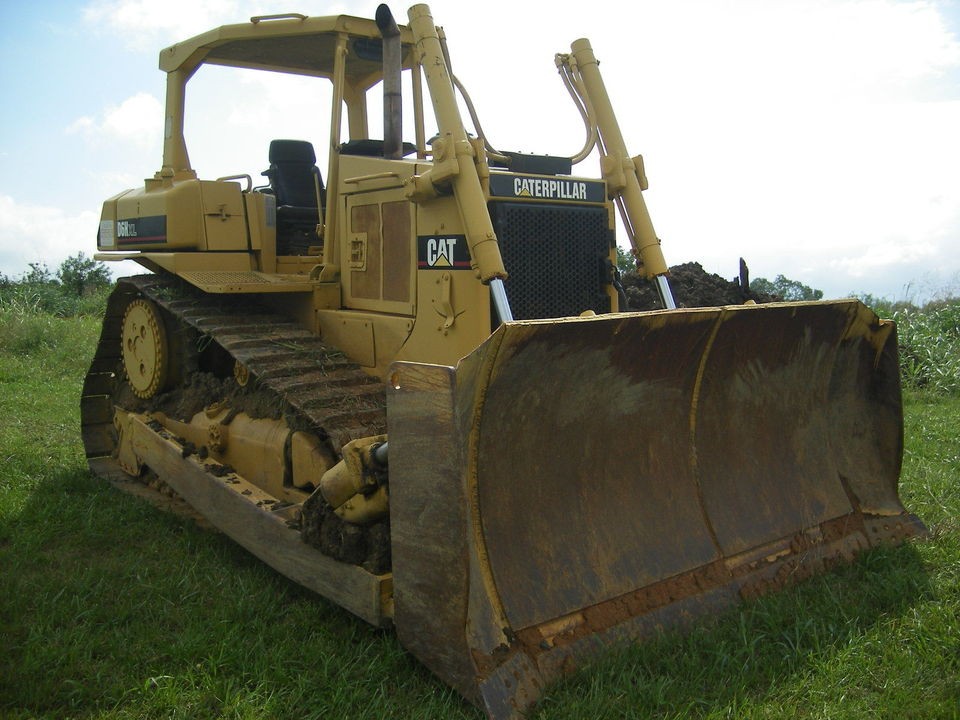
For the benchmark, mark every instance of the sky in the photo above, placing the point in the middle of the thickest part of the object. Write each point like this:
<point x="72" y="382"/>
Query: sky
<point x="818" y="139"/>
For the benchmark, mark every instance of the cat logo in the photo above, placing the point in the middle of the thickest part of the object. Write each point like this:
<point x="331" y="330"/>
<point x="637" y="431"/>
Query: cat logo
<point x="440" y="251"/>
<point x="443" y="253"/>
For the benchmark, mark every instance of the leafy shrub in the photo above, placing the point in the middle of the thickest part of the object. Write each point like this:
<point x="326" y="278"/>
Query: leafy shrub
<point x="79" y="288"/>
<point x="81" y="275"/>
<point x="930" y="346"/>
<point x="784" y="288"/>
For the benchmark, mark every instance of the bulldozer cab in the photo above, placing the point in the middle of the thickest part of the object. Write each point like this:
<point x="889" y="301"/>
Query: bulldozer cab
<point x="413" y="236"/>
<point x="319" y="109"/>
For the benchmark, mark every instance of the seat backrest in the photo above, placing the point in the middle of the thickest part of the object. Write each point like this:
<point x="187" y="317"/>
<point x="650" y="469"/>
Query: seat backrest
<point x="372" y="148"/>
<point x="292" y="171"/>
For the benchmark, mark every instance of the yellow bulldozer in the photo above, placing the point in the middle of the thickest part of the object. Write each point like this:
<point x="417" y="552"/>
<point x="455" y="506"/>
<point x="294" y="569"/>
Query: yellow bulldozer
<point x="410" y="382"/>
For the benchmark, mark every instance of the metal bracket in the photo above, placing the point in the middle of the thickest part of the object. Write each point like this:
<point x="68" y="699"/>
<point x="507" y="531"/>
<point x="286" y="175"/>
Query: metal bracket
<point x="358" y="251"/>
<point x="444" y="304"/>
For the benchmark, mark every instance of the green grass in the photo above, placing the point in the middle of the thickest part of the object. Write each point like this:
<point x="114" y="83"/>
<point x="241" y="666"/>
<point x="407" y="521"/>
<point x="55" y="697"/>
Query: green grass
<point x="929" y="342"/>
<point x="112" y="609"/>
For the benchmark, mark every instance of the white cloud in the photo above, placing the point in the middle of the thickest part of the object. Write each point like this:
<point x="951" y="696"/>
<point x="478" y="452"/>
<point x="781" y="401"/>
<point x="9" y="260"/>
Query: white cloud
<point x="810" y="136"/>
<point x="816" y="139"/>
<point x="790" y="51"/>
<point x="137" y="120"/>
<point x="148" y="25"/>
<point x="883" y="255"/>
<point x="37" y="233"/>
<point x="145" y="25"/>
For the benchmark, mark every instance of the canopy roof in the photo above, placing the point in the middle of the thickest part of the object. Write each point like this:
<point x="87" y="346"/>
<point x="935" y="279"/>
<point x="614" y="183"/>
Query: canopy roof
<point x="288" y="43"/>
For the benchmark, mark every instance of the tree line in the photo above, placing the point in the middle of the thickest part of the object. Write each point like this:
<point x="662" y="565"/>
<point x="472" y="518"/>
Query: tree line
<point x="77" y="287"/>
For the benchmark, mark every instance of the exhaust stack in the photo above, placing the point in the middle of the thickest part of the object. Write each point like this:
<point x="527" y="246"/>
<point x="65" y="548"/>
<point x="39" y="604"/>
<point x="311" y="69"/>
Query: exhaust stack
<point x="392" y="66"/>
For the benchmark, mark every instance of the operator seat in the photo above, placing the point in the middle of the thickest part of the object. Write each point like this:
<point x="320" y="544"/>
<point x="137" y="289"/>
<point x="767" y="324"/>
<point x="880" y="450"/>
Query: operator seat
<point x="298" y="187"/>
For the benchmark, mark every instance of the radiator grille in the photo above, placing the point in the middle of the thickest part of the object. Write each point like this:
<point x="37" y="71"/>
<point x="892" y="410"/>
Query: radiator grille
<point x="556" y="256"/>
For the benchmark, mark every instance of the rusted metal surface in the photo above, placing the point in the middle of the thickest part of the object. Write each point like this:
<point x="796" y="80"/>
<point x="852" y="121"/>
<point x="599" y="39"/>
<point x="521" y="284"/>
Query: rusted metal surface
<point x="581" y="447"/>
<point x="630" y="472"/>
<point x="649" y="445"/>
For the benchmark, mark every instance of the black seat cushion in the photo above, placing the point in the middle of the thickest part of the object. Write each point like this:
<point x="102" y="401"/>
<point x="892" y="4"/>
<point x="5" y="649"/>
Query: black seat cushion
<point x="292" y="172"/>
<point x="372" y="148"/>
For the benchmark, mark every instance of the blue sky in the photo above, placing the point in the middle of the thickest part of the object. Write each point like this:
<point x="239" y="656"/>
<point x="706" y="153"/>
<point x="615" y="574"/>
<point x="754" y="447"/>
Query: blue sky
<point x="816" y="138"/>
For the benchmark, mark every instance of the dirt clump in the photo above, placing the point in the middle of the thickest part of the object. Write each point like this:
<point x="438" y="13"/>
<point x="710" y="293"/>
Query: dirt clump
<point x="692" y="286"/>
<point x="364" y="545"/>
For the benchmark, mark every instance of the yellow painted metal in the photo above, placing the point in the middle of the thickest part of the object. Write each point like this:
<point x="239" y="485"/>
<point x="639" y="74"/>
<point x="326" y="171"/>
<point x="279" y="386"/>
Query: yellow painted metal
<point x="222" y="238"/>
<point x="354" y="334"/>
<point x="231" y="281"/>
<point x="623" y="173"/>
<point x="455" y="157"/>
<point x="249" y="515"/>
<point x="309" y="459"/>
<point x="176" y="160"/>
<point x="755" y="445"/>
<point x="225" y="223"/>
<point x="263" y="229"/>
<point x="145" y="348"/>
<point x="331" y="250"/>
<point x="240" y="373"/>
<point x="379" y="228"/>
<point x="178" y="263"/>
<point x="256" y="448"/>
<point x="356" y="486"/>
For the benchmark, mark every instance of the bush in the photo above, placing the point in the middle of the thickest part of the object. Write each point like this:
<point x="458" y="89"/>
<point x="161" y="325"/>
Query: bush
<point x="81" y="275"/>
<point x="930" y="346"/>
<point x="79" y="288"/>
<point x="786" y="289"/>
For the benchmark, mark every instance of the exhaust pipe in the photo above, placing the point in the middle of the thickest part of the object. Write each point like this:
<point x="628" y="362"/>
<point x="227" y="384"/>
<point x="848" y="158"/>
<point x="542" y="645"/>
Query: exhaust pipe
<point x="392" y="65"/>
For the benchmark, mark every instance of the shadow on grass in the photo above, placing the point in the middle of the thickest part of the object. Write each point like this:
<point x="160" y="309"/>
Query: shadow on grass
<point x="114" y="609"/>
<point x="111" y="608"/>
<point x="795" y="653"/>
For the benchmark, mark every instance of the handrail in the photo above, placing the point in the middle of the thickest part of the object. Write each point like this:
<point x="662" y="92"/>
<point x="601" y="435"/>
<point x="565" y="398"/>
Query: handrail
<point x="375" y="176"/>
<point x="243" y="176"/>
<point x="257" y="19"/>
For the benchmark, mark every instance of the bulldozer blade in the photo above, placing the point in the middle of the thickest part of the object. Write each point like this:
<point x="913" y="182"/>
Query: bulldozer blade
<point x="579" y="482"/>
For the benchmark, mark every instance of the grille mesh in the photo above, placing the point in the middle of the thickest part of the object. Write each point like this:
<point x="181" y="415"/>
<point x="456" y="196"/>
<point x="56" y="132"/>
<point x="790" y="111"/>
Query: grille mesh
<point x="555" y="256"/>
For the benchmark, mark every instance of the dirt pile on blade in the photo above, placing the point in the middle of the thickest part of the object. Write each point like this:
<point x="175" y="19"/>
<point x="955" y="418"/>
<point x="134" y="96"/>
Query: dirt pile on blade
<point x="692" y="287"/>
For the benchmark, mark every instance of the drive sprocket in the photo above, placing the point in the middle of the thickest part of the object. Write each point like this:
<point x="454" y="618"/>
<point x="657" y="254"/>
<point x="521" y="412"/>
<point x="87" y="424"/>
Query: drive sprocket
<point x="145" y="348"/>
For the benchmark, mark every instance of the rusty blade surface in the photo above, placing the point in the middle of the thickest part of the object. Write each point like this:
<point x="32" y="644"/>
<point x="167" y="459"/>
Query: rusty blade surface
<point x="602" y="477"/>
<point x="586" y="486"/>
<point x="616" y="452"/>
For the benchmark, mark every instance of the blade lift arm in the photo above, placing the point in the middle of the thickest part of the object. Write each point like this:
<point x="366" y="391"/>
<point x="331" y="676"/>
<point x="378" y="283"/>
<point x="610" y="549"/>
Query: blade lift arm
<point x="624" y="175"/>
<point x="455" y="163"/>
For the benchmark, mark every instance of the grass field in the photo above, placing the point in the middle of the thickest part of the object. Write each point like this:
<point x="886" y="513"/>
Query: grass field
<point x="112" y="609"/>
